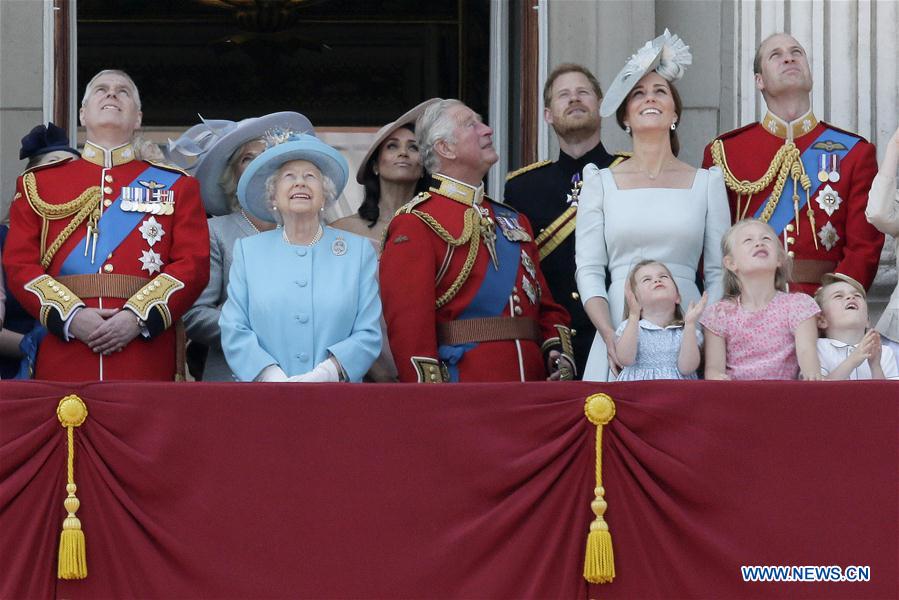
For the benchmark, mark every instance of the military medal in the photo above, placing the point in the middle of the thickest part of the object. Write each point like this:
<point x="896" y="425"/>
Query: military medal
<point x="822" y="172"/>
<point x="511" y="228"/>
<point x="576" y="185"/>
<point x="829" y="200"/>
<point x="528" y="264"/>
<point x="151" y="231"/>
<point x="528" y="288"/>
<point x="834" y="175"/>
<point x="829" y="236"/>
<point x="150" y="261"/>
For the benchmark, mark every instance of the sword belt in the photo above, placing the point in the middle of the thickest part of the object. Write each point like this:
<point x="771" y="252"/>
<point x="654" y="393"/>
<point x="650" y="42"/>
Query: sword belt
<point x="811" y="271"/>
<point x="488" y="329"/>
<point x="97" y="285"/>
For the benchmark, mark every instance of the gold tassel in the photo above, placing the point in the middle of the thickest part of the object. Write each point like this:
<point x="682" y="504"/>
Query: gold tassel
<point x="599" y="561"/>
<point x="72" y="555"/>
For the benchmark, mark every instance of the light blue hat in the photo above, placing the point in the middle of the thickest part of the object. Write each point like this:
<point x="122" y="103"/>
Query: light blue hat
<point x="251" y="188"/>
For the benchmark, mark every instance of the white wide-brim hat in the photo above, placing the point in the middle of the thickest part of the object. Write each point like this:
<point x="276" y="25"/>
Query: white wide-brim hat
<point x="407" y="118"/>
<point x="251" y="187"/>
<point x="666" y="55"/>
<point x="204" y="149"/>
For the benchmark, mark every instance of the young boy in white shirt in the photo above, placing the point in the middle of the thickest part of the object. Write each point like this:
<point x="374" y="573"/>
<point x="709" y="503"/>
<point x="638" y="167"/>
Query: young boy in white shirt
<point x="847" y="351"/>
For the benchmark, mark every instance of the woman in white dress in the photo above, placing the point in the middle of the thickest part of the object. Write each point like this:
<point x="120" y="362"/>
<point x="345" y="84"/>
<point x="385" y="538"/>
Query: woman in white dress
<point x="651" y="206"/>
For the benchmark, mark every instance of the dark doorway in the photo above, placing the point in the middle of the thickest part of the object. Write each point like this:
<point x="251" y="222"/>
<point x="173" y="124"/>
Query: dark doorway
<point x="343" y="63"/>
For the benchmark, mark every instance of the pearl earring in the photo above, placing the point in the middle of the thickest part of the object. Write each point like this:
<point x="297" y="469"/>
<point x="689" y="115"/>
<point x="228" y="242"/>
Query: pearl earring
<point x="627" y="129"/>
<point x="673" y="125"/>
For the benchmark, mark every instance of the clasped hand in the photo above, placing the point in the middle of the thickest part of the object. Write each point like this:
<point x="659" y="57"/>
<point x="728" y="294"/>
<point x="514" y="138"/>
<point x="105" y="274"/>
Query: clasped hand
<point x="104" y="330"/>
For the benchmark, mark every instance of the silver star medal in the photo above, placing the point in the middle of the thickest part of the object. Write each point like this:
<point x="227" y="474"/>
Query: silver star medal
<point x="152" y="231"/>
<point x="529" y="290"/>
<point x="829" y="200"/>
<point x="828" y="236"/>
<point x="528" y="264"/>
<point x="150" y="261"/>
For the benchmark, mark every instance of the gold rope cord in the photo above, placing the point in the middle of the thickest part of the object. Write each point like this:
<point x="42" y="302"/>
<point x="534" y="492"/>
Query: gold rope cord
<point x="81" y="207"/>
<point x="781" y="166"/>
<point x="469" y="234"/>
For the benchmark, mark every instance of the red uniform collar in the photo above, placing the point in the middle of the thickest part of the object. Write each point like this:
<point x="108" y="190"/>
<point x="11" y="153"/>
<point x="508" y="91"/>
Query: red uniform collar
<point x="789" y="130"/>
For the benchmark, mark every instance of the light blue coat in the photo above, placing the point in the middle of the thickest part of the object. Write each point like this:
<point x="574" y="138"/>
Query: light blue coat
<point x="293" y="305"/>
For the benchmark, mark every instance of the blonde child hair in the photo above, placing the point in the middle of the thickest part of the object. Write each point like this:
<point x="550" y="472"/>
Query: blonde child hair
<point x="730" y="281"/>
<point x="632" y="282"/>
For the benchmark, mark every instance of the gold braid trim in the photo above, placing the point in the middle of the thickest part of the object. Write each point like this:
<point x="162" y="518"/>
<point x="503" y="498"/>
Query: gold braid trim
<point x="81" y="207"/>
<point x="470" y="234"/>
<point x="781" y="166"/>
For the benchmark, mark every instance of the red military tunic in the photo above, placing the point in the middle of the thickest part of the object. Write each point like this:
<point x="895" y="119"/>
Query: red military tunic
<point x="423" y="264"/>
<point x="158" y="281"/>
<point x="846" y="242"/>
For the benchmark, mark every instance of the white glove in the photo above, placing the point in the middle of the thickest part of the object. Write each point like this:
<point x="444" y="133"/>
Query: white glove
<point x="324" y="372"/>
<point x="272" y="374"/>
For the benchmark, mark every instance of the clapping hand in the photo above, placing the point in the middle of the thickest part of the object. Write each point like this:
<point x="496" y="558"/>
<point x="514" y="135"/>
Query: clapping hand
<point x="694" y="310"/>
<point x="633" y="305"/>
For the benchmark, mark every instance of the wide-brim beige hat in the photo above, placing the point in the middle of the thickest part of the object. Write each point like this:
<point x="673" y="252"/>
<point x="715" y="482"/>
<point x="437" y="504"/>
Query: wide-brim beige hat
<point x="407" y="118"/>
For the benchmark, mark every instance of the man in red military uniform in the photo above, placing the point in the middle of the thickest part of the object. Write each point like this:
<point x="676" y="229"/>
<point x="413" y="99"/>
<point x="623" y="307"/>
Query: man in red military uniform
<point x="107" y="251"/>
<point x="806" y="178"/>
<point x="463" y="294"/>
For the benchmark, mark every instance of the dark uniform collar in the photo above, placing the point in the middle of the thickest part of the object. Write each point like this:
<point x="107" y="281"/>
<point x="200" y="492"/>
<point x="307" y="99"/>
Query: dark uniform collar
<point x="457" y="190"/>
<point x="792" y="130"/>
<point x="597" y="156"/>
<point x="107" y="158"/>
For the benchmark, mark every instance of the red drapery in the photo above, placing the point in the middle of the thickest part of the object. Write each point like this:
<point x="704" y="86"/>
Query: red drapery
<point x="463" y="491"/>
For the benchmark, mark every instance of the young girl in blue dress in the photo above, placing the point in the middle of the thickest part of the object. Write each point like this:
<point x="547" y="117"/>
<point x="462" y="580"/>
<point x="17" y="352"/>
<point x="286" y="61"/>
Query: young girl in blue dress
<point x="656" y="340"/>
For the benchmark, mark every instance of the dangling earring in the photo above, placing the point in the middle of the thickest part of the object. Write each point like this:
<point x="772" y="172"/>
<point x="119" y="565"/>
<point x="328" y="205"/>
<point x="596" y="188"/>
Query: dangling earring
<point x="673" y="125"/>
<point x="627" y="129"/>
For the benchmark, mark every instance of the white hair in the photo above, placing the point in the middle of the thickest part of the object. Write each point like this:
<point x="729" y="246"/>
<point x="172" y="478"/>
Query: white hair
<point x="90" y="84"/>
<point x="328" y="187"/>
<point x="433" y="125"/>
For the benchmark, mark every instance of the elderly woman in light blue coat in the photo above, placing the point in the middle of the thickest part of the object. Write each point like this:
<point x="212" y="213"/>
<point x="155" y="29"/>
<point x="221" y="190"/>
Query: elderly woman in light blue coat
<point x="303" y="302"/>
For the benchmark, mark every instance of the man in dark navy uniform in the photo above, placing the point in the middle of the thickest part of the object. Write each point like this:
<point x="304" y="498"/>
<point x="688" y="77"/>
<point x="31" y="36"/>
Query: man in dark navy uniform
<point x="546" y="191"/>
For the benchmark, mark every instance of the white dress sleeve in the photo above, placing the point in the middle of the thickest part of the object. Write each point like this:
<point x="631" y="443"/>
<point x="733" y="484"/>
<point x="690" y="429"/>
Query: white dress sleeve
<point x="591" y="256"/>
<point x="717" y="222"/>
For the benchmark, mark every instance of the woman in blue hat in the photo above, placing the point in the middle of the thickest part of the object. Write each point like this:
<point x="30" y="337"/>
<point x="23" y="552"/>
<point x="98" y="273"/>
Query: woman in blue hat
<point x="217" y="152"/>
<point x="303" y="302"/>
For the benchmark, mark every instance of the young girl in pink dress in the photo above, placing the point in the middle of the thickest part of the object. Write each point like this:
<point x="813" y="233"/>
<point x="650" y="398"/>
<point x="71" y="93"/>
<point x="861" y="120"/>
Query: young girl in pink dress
<point x="759" y="331"/>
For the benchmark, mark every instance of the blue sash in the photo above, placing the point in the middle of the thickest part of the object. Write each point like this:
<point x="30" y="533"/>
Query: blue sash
<point x="491" y="298"/>
<point x="115" y="225"/>
<point x="783" y="213"/>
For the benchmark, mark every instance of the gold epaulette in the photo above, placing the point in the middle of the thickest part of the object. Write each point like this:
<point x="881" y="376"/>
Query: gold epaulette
<point x="411" y="204"/>
<point x="530" y="167"/>
<point x="167" y="166"/>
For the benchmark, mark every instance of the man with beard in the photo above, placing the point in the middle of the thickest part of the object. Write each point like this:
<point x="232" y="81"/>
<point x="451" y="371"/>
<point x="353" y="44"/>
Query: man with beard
<point x="546" y="191"/>
<point x="804" y="177"/>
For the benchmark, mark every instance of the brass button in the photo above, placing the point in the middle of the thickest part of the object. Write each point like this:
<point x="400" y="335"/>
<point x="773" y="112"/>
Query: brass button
<point x="791" y="254"/>
<point x="108" y="179"/>
<point x="107" y="190"/>
<point x="517" y="310"/>
<point x="107" y="203"/>
<point x="573" y="332"/>
<point x="575" y="296"/>
<point x="515" y="298"/>
<point x="108" y="268"/>
<point x="790" y="227"/>
<point x="791" y="240"/>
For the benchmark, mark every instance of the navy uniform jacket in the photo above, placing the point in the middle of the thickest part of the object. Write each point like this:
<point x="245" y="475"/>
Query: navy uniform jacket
<point x="540" y="192"/>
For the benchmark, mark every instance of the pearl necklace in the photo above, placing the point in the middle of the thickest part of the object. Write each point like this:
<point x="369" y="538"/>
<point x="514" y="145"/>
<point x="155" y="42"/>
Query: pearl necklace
<point x="247" y="219"/>
<point x="318" y="235"/>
